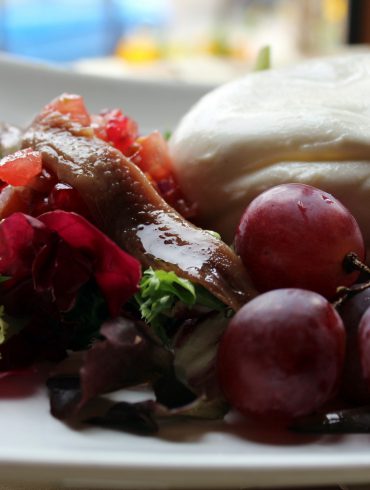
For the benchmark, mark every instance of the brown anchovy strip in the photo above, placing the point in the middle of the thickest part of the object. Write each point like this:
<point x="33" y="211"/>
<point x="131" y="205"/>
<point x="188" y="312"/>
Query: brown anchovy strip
<point x="128" y="209"/>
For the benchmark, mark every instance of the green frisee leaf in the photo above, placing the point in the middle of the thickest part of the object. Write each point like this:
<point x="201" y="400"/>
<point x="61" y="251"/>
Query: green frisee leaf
<point x="4" y="326"/>
<point x="160" y="291"/>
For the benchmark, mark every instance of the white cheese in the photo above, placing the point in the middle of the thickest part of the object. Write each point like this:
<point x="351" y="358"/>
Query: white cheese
<point x="309" y="123"/>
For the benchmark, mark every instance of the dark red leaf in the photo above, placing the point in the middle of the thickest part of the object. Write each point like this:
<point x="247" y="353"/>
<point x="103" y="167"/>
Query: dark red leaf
<point x="21" y="237"/>
<point x="130" y="417"/>
<point x="116" y="272"/>
<point x="62" y="270"/>
<point x="126" y="357"/>
<point x="64" y="395"/>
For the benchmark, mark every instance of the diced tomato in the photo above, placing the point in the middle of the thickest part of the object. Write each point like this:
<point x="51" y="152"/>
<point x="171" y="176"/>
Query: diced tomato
<point x="153" y="156"/>
<point x="122" y="131"/>
<point x="171" y="193"/>
<point x="71" y="105"/>
<point x="150" y="153"/>
<point x="14" y="199"/>
<point x="98" y="123"/>
<point x="21" y="167"/>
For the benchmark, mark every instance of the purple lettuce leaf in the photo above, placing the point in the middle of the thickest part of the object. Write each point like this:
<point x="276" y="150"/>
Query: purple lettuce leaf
<point x="184" y="382"/>
<point x="128" y="356"/>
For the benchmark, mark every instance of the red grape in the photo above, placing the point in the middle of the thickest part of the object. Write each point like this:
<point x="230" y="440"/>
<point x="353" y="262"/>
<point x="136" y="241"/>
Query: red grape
<point x="353" y="385"/>
<point x="364" y="344"/>
<point x="282" y="354"/>
<point x="295" y="235"/>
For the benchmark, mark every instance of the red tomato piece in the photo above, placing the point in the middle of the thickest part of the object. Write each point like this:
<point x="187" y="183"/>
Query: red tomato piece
<point x="98" y="123"/>
<point x="121" y="130"/>
<point x="153" y="156"/>
<point x="71" y="105"/>
<point x="21" y="167"/>
<point x="150" y="153"/>
<point x="14" y="199"/>
<point x="116" y="128"/>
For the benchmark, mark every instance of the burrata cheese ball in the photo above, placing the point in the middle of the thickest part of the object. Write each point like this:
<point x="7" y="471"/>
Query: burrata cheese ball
<point x="308" y="123"/>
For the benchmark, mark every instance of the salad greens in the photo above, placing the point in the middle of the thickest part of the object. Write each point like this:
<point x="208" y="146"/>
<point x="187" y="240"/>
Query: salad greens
<point x="178" y="363"/>
<point x="159" y="294"/>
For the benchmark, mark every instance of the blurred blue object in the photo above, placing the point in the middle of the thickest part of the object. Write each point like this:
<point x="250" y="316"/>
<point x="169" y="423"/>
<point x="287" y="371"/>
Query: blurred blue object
<point x="65" y="30"/>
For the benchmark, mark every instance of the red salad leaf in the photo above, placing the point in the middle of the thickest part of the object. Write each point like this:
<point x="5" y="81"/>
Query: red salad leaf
<point x="29" y="248"/>
<point x="37" y="340"/>
<point x="21" y="237"/>
<point x="64" y="395"/>
<point x="61" y="251"/>
<point x="171" y="392"/>
<point x="21" y="167"/>
<point x="138" y="417"/>
<point x="16" y="353"/>
<point x="50" y="262"/>
<point x="51" y="273"/>
<point x="127" y="357"/>
<point x="116" y="272"/>
<point x="17" y="372"/>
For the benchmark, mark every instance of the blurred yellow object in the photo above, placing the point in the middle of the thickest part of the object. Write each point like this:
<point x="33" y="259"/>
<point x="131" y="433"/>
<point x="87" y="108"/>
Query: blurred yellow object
<point x="218" y="45"/>
<point x="223" y="45"/>
<point x="335" y="10"/>
<point x="139" y="48"/>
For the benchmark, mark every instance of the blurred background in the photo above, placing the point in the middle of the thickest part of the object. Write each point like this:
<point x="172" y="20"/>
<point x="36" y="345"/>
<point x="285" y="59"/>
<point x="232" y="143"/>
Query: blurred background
<point x="198" y="41"/>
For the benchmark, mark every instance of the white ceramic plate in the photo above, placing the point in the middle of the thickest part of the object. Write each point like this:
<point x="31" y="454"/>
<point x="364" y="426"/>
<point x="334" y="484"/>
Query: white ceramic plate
<point x="36" y="447"/>
<point x="25" y="87"/>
